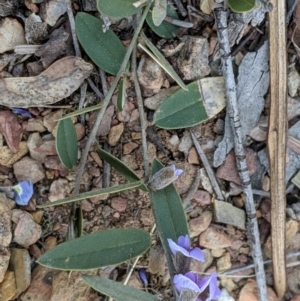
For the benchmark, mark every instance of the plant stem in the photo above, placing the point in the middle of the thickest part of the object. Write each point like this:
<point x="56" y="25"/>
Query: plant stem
<point x="108" y="97"/>
<point x="221" y="21"/>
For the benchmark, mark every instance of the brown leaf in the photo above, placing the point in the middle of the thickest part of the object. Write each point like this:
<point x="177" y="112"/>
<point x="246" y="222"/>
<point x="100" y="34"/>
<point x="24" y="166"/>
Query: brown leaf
<point x="11" y="130"/>
<point x="59" y="81"/>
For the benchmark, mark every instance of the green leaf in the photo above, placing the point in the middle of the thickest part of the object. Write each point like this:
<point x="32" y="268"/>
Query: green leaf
<point x="104" y="49"/>
<point x="117" y="291"/>
<point x="181" y="110"/>
<point x="117" y="8"/>
<point x="66" y="143"/>
<point x="161" y="60"/>
<point x="91" y="194"/>
<point x="122" y="168"/>
<point x="82" y="111"/>
<point x="97" y="250"/>
<point x="159" y="11"/>
<point x="122" y="94"/>
<point x="241" y="6"/>
<point x="168" y="211"/>
<point x="165" y="30"/>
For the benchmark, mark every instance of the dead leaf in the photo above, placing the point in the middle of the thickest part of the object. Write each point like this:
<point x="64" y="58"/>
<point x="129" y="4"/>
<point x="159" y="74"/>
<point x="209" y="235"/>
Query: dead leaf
<point x="59" y="81"/>
<point x="11" y="130"/>
<point x="11" y="34"/>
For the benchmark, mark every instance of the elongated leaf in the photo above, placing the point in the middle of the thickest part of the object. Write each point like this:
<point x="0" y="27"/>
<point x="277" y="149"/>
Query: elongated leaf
<point x="165" y="30"/>
<point x="82" y="111"/>
<point x="117" y="291"/>
<point x="104" y="49"/>
<point x="117" y="8"/>
<point x="122" y="168"/>
<point x="66" y="143"/>
<point x="161" y="60"/>
<point x="241" y="6"/>
<point x="168" y="211"/>
<point x="121" y="94"/>
<point x="181" y="110"/>
<point x="97" y="250"/>
<point x="91" y="194"/>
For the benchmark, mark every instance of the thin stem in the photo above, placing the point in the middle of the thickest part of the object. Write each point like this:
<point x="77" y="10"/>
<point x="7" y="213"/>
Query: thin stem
<point x="72" y="26"/>
<point x="209" y="170"/>
<point x="108" y="97"/>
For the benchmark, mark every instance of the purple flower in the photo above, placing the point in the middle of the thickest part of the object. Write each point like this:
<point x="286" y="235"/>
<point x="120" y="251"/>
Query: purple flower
<point x="191" y="282"/>
<point x="143" y="276"/>
<point x="164" y="177"/>
<point x="184" y="246"/>
<point x="22" y="112"/>
<point x="23" y="192"/>
<point x="212" y="283"/>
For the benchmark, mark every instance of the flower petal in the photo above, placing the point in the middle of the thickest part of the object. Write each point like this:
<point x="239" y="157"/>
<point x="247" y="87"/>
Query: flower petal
<point x="176" y="248"/>
<point x="184" y="241"/>
<point x="22" y="112"/>
<point x="23" y="192"/>
<point x="197" y="254"/>
<point x="214" y="291"/>
<point x="181" y="282"/>
<point x="178" y="172"/>
<point x="192" y="276"/>
<point x="203" y="283"/>
<point x="143" y="276"/>
<point x="173" y="167"/>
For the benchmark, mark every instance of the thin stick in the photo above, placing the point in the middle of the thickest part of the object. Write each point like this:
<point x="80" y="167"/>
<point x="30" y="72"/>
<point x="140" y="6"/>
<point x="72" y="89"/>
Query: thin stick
<point x="251" y="266"/>
<point x="83" y="89"/>
<point x="72" y="26"/>
<point x="180" y="7"/>
<point x="179" y="23"/>
<point x="108" y="97"/>
<point x="209" y="171"/>
<point x="95" y="89"/>
<point x="106" y="168"/>
<point x="71" y="232"/>
<point x="277" y="140"/>
<point x="221" y="21"/>
<point x="141" y="112"/>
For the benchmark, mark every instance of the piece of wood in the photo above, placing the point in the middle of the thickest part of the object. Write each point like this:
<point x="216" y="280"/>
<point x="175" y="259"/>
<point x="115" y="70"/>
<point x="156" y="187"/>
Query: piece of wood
<point x="277" y="139"/>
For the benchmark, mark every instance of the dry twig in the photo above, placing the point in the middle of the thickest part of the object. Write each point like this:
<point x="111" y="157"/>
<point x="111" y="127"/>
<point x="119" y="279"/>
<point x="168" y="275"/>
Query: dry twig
<point x="277" y="139"/>
<point x="221" y="21"/>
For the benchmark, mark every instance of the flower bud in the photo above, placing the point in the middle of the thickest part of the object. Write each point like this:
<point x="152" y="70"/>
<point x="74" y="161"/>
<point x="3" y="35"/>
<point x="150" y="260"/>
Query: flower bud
<point x="164" y="177"/>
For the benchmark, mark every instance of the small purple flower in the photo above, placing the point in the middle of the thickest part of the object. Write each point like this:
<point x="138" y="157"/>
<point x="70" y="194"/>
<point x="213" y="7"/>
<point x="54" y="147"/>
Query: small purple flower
<point x="212" y="283"/>
<point x="143" y="276"/>
<point x="191" y="282"/>
<point x="22" y="112"/>
<point x="184" y="246"/>
<point x="23" y="192"/>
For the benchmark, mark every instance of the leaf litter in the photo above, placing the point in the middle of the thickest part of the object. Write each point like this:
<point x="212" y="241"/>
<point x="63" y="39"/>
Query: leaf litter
<point x="57" y="79"/>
